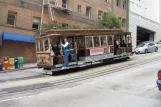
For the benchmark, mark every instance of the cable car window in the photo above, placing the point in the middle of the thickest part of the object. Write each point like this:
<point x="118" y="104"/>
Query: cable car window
<point x="103" y="41"/>
<point x="46" y="43"/>
<point x="89" y="43"/>
<point x="80" y="42"/>
<point x="112" y="49"/>
<point x="41" y="45"/>
<point x="109" y="40"/>
<point x="129" y="38"/>
<point x="96" y="41"/>
<point x="37" y="46"/>
<point x="71" y="41"/>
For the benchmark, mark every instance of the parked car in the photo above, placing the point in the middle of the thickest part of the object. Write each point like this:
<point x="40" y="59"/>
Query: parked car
<point x="145" y="47"/>
<point x="159" y="80"/>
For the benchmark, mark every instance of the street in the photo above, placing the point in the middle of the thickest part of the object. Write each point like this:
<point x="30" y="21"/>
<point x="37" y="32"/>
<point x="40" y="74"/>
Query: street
<point x="80" y="53"/>
<point x="123" y="84"/>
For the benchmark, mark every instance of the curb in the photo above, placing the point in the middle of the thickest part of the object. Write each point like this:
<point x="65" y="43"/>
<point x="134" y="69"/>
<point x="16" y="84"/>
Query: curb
<point x="25" y="68"/>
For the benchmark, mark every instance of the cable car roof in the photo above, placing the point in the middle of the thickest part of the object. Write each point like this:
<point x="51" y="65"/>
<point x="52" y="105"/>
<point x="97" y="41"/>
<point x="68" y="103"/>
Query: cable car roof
<point x="82" y="32"/>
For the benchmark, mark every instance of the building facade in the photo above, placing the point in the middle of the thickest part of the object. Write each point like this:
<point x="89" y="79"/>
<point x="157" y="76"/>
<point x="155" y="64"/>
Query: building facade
<point x="21" y="18"/>
<point x="144" y="20"/>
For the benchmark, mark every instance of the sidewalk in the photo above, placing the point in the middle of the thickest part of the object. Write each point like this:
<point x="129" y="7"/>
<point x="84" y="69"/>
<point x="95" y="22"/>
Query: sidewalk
<point x="25" y="66"/>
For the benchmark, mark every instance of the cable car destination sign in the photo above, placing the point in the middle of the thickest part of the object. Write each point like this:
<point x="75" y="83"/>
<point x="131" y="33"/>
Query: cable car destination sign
<point x="96" y="51"/>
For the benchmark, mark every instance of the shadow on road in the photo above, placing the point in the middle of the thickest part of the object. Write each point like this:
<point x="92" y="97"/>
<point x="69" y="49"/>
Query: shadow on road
<point x="82" y="69"/>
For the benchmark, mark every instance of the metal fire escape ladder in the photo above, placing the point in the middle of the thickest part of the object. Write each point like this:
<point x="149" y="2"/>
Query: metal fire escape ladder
<point x="50" y="11"/>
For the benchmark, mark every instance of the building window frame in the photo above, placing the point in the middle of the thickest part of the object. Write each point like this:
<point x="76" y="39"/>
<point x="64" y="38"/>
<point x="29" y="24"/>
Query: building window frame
<point x="106" y="1"/>
<point x="79" y="8"/>
<point x="100" y="14"/>
<point x="124" y="4"/>
<point x="65" y="4"/>
<point x="118" y="3"/>
<point x="36" y="23"/>
<point x="12" y="16"/>
<point x="54" y="2"/>
<point x="88" y="11"/>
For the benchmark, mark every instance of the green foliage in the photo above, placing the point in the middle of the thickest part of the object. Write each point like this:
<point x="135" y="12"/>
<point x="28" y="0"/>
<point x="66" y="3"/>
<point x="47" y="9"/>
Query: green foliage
<point x="110" y="21"/>
<point x="55" y="25"/>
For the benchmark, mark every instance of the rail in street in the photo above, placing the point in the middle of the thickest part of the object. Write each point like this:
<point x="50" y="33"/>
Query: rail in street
<point x="16" y="87"/>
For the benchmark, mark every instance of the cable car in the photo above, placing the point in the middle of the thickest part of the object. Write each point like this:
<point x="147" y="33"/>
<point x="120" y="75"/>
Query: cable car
<point x="87" y="47"/>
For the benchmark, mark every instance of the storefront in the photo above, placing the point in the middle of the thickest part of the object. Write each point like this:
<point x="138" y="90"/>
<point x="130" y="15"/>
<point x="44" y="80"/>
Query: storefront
<point x="18" y="45"/>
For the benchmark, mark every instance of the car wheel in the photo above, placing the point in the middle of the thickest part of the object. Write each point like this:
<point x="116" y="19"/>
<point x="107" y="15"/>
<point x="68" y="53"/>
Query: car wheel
<point x="146" y="51"/>
<point x="156" y="49"/>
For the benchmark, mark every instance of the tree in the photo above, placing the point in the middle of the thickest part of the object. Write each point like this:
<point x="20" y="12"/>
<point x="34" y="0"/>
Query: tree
<point x="55" y="25"/>
<point x="110" y="21"/>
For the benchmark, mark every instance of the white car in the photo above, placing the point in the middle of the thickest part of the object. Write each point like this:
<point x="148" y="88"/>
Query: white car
<point x="145" y="47"/>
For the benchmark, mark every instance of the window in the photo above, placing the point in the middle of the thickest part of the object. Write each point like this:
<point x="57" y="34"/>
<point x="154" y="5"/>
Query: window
<point x="79" y="8"/>
<point x="117" y="2"/>
<point x="80" y="42"/>
<point x="53" y="2"/>
<point x="100" y="13"/>
<point x="96" y="41"/>
<point x="41" y="45"/>
<point x="103" y="41"/>
<point x="109" y="40"/>
<point x="88" y="11"/>
<point x="37" y="46"/>
<point x="11" y="19"/>
<point x="151" y="44"/>
<point x="124" y="4"/>
<point x="89" y="43"/>
<point x="65" y="4"/>
<point x="65" y="25"/>
<point x="36" y="23"/>
<point x="46" y="44"/>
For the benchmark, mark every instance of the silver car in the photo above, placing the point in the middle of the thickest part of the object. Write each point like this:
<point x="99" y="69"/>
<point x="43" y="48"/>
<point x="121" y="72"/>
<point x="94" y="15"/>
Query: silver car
<point x="145" y="47"/>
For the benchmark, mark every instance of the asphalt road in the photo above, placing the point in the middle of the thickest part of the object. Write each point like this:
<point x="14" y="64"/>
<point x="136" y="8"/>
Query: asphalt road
<point x="134" y="86"/>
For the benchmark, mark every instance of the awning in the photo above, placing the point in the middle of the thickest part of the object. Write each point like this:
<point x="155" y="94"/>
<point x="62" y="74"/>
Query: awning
<point x="18" y="37"/>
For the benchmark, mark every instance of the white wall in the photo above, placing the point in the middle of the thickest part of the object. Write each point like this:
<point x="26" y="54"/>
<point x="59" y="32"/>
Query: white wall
<point x="148" y="16"/>
<point x="146" y="8"/>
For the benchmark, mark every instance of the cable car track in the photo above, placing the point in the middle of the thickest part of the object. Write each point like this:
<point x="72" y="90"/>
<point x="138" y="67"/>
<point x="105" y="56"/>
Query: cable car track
<point x="102" y="72"/>
<point x="46" y="85"/>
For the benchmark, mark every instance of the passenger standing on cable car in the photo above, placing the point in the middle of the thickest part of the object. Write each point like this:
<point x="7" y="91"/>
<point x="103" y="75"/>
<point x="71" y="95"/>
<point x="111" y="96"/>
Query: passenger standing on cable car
<point x="66" y="51"/>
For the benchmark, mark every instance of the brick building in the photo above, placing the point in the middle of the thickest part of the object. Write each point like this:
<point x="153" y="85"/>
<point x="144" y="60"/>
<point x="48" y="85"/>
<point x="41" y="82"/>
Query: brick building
<point x="20" y="19"/>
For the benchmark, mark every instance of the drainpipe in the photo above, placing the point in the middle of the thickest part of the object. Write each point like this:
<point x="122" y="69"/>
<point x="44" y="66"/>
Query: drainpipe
<point x="127" y="15"/>
<point x="42" y="16"/>
<point x="112" y="7"/>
